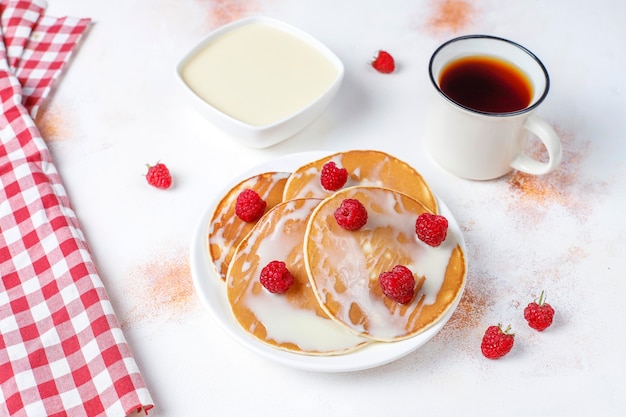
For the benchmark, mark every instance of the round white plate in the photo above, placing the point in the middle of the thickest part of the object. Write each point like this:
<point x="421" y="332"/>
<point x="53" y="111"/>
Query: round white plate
<point x="212" y="291"/>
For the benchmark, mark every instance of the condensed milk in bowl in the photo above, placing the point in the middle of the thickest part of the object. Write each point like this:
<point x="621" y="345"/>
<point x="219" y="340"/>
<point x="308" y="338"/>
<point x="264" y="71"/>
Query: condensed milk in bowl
<point x="260" y="80"/>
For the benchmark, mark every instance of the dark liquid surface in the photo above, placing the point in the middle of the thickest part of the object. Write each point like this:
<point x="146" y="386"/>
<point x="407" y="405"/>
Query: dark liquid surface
<point x="486" y="84"/>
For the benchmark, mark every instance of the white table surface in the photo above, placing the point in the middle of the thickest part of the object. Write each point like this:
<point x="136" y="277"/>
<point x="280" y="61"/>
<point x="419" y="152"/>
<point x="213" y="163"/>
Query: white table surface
<point x="119" y="107"/>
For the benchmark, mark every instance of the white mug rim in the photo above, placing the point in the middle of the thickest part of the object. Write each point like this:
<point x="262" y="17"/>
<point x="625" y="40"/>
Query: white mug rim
<point x="525" y="110"/>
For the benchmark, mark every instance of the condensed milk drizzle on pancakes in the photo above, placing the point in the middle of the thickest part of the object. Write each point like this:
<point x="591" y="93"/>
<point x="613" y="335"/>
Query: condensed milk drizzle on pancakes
<point x="226" y="230"/>
<point x="346" y="264"/>
<point x="365" y="168"/>
<point x="293" y="319"/>
<point x="286" y="324"/>
<point x="314" y="188"/>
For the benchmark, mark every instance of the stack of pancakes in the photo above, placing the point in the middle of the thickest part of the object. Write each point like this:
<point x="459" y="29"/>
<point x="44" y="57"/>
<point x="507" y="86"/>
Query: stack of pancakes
<point x="335" y="305"/>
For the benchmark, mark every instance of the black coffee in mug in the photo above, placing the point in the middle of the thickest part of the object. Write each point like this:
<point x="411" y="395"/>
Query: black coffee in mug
<point x="486" y="84"/>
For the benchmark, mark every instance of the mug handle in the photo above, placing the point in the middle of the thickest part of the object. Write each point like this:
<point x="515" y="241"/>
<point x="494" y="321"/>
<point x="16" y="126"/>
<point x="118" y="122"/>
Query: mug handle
<point x="551" y="141"/>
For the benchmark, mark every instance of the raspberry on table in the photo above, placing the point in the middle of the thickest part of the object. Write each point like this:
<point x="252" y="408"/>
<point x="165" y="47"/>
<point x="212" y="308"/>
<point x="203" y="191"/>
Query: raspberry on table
<point x="249" y="206"/>
<point x="384" y="62"/>
<point x="351" y="214"/>
<point x="159" y="176"/>
<point x="497" y="342"/>
<point x="332" y="177"/>
<point x="398" y="284"/>
<point x="276" y="278"/>
<point x="539" y="314"/>
<point x="431" y="229"/>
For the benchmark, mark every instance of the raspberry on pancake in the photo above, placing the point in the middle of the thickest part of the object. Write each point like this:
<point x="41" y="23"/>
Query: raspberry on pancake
<point x="226" y="229"/>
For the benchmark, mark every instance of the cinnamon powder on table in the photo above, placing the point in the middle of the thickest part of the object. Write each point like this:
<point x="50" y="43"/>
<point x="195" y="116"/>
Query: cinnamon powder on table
<point x="565" y="186"/>
<point x="162" y="289"/>
<point x="470" y="310"/>
<point x="52" y="124"/>
<point x="450" y="16"/>
<point x="221" y="12"/>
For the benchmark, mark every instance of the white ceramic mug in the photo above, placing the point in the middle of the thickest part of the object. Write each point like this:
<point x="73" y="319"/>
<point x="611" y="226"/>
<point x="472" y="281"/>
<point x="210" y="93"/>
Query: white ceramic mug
<point x="482" y="145"/>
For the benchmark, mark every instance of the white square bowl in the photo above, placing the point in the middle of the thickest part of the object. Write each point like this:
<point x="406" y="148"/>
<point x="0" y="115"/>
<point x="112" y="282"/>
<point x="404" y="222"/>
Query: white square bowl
<point x="226" y="74"/>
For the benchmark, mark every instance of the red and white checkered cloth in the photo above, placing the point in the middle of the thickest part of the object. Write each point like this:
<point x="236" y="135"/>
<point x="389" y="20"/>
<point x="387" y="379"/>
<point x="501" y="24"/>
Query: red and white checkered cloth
<point x="62" y="352"/>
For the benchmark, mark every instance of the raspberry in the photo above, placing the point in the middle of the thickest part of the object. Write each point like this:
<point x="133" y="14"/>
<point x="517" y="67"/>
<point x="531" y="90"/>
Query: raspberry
<point x="276" y="278"/>
<point x="539" y="314"/>
<point x="333" y="177"/>
<point x="384" y="62"/>
<point x="398" y="284"/>
<point x="431" y="229"/>
<point x="159" y="176"/>
<point x="250" y="206"/>
<point x="351" y="214"/>
<point x="497" y="342"/>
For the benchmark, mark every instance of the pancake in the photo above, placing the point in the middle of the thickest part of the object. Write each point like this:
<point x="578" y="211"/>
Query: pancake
<point x="343" y="266"/>
<point x="292" y="321"/>
<point x="365" y="167"/>
<point x="226" y="230"/>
